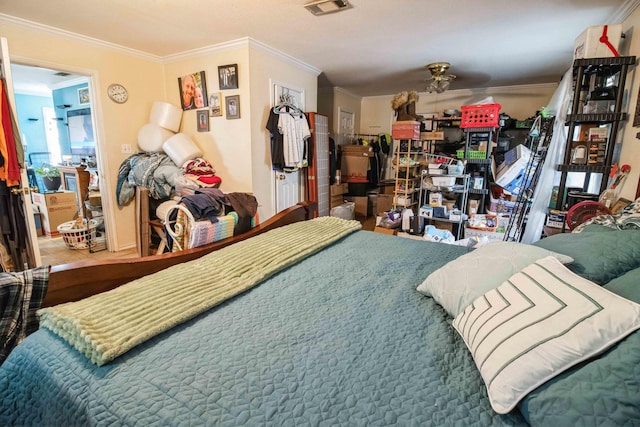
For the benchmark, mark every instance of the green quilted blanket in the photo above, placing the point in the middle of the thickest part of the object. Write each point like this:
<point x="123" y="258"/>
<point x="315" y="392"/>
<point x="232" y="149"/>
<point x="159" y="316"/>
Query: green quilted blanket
<point x="107" y="325"/>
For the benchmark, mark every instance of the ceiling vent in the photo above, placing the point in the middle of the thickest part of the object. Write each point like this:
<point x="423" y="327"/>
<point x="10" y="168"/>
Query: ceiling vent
<point x="322" y="7"/>
<point x="62" y="74"/>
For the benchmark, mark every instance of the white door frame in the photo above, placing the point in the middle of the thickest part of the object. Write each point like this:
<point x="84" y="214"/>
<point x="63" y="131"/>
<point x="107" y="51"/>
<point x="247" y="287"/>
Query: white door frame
<point x="106" y="190"/>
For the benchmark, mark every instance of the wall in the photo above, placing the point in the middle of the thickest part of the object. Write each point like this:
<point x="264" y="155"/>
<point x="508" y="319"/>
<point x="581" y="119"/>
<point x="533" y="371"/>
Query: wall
<point x="519" y="102"/>
<point x="66" y="96"/>
<point x="32" y="132"/>
<point x="117" y="124"/>
<point x="239" y="149"/>
<point x="630" y="148"/>
<point x="269" y="67"/>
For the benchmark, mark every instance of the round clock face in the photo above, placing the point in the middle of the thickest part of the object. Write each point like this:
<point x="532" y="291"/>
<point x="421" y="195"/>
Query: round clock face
<point x="118" y="93"/>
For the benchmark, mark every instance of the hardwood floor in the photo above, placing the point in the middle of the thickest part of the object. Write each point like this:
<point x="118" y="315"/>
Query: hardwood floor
<point x="53" y="251"/>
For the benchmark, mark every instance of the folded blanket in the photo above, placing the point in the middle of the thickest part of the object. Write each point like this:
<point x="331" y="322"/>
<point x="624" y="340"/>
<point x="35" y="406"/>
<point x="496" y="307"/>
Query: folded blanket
<point x="107" y="325"/>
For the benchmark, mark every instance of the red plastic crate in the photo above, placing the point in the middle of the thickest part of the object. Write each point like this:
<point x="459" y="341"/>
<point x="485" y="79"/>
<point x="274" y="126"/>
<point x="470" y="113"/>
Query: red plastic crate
<point x="480" y="116"/>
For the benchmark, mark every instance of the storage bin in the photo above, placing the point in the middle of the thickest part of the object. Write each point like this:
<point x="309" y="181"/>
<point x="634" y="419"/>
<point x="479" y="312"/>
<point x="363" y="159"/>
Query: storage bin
<point x="443" y="181"/>
<point x="480" y="116"/>
<point x="471" y="154"/>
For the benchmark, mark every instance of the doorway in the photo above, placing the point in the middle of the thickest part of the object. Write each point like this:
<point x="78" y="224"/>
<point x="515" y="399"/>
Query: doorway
<point x="54" y="112"/>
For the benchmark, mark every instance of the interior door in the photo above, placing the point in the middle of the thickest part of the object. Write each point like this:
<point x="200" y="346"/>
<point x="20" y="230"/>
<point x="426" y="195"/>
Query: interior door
<point x="23" y="189"/>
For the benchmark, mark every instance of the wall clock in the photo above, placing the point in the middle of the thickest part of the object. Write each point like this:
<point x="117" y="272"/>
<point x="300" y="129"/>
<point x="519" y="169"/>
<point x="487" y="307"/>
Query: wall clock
<point x="117" y="93"/>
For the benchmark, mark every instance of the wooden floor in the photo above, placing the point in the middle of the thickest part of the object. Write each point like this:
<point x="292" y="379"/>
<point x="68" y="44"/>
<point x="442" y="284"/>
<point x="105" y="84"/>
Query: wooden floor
<point x="54" y="251"/>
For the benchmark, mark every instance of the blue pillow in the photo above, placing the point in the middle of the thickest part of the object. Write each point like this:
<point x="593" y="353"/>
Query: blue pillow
<point x="627" y="285"/>
<point x="599" y="257"/>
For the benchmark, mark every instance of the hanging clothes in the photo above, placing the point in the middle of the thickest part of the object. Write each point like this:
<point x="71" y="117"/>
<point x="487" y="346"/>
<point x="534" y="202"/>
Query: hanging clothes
<point x="290" y="132"/>
<point x="10" y="171"/>
<point x="13" y="229"/>
<point x="333" y="161"/>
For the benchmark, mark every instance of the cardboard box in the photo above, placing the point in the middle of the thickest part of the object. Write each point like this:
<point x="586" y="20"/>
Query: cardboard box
<point x="556" y="219"/>
<point x="408" y="129"/>
<point x="339" y="189"/>
<point x="392" y="231"/>
<point x="510" y="173"/>
<point x="55" y="209"/>
<point x="354" y="168"/>
<point x="588" y="44"/>
<point x="384" y="202"/>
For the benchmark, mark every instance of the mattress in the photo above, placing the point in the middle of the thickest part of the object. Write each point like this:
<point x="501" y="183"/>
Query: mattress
<point x="341" y="338"/>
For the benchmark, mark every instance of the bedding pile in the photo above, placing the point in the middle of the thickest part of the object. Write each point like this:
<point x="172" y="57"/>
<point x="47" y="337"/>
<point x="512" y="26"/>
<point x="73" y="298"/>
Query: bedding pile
<point x="107" y="325"/>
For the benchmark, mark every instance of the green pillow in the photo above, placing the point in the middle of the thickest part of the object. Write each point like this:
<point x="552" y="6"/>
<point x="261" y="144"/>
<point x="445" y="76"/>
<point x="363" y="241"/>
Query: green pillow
<point x="627" y="285"/>
<point x="599" y="257"/>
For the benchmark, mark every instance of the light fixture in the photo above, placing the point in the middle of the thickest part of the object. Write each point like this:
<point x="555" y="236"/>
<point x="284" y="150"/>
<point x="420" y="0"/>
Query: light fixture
<point x="439" y="80"/>
<point x="323" y="7"/>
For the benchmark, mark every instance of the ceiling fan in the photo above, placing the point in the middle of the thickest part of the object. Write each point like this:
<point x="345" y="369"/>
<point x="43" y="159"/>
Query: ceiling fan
<point x="439" y="81"/>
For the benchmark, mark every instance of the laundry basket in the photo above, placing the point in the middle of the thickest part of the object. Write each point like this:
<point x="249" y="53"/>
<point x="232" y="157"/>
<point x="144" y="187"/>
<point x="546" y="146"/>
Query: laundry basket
<point x="78" y="236"/>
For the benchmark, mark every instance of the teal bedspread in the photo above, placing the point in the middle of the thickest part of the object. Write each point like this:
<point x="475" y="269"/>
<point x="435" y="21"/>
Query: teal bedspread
<point x="341" y="338"/>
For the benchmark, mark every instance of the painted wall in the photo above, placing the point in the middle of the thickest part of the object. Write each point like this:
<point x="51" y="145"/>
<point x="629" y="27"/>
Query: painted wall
<point x="32" y="131"/>
<point x="519" y="102"/>
<point x="239" y="149"/>
<point x="66" y="96"/>
<point x="268" y="69"/>
<point x="227" y="145"/>
<point x="142" y="75"/>
<point x="630" y="145"/>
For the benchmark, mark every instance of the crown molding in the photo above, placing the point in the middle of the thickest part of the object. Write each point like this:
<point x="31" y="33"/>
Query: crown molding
<point x="624" y="11"/>
<point x="77" y="37"/>
<point x="245" y="42"/>
<point x="346" y="92"/>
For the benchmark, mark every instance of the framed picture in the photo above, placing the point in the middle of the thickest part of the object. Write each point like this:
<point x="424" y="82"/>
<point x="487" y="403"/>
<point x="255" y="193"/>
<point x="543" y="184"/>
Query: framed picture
<point x="228" y="76"/>
<point x="233" y="106"/>
<point x="193" y="91"/>
<point x="215" y="105"/>
<point x="203" y="120"/>
<point x="83" y="96"/>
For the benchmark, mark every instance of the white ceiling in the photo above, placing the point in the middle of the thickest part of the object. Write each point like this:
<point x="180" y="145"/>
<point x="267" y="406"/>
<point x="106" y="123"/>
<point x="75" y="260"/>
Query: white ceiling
<point x="378" y="47"/>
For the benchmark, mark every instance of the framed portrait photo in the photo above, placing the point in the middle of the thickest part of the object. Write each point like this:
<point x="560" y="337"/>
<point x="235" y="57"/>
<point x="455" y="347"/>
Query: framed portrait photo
<point x="215" y="105"/>
<point x="83" y="95"/>
<point x="228" y="76"/>
<point x="193" y="91"/>
<point x="203" y="120"/>
<point x="232" y="106"/>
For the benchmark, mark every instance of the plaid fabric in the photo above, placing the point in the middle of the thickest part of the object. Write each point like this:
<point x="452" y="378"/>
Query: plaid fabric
<point x="21" y="295"/>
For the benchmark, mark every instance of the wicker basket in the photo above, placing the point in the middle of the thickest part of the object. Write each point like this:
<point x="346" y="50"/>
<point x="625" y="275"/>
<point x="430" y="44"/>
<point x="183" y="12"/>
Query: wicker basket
<point x="78" y="237"/>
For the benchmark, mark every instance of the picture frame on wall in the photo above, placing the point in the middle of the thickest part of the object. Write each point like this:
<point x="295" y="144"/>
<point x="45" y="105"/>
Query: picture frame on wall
<point x="228" y="76"/>
<point x="193" y="91"/>
<point x="83" y="96"/>
<point x="203" y="120"/>
<point x="215" y="105"/>
<point x="232" y="104"/>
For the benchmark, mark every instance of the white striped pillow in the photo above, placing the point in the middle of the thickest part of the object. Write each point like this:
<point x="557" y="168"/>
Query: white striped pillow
<point x="537" y="324"/>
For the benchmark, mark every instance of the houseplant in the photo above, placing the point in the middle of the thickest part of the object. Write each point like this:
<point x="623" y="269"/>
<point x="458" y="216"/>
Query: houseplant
<point x="50" y="177"/>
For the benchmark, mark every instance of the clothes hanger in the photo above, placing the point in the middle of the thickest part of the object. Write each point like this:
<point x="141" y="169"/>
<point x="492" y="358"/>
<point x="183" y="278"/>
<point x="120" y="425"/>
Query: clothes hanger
<point x="287" y="105"/>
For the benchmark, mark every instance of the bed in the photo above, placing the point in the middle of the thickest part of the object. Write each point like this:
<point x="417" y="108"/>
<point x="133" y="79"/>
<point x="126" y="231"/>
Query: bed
<point x="338" y="334"/>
